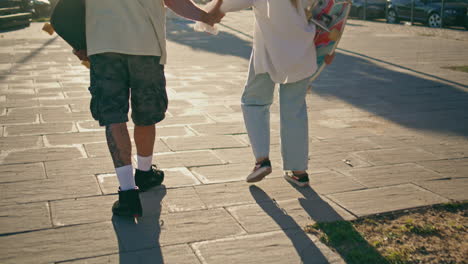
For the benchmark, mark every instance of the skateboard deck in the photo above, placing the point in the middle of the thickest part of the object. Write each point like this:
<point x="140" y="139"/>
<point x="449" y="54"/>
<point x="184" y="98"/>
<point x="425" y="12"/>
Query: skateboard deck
<point x="330" y="17"/>
<point x="68" y="21"/>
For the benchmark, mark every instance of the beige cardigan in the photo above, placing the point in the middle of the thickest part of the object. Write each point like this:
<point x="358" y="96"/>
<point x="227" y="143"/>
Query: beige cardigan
<point x="283" y="39"/>
<point x="135" y="27"/>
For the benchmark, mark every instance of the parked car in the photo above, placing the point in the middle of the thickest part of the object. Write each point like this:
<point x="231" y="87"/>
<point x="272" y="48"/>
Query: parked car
<point x="375" y="9"/>
<point x="42" y="8"/>
<point x="15" y="13"/>
<point x="429" y="12"/>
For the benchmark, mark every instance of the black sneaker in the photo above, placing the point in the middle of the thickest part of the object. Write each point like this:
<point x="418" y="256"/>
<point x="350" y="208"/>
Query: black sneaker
<point x="259" y="172"/>
<point x="300" y="180"/>
<point x="128" y="204"/>
<point x="146" y="180"/>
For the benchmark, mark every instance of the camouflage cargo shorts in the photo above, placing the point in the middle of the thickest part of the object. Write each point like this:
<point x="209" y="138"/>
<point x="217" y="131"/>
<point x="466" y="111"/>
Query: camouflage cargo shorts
<point x="117" y="78"/>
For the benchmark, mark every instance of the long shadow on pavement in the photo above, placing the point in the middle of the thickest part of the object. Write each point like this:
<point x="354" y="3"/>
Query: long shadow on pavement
<point x="139" y="241"/>
<point x="305" y="247"/>
<point x="340" y="234"/>
<point x="402" y="95"/>
<point x="396" y="95"/>
<point x="321" y="212"/>
<point x="26" y="58"/>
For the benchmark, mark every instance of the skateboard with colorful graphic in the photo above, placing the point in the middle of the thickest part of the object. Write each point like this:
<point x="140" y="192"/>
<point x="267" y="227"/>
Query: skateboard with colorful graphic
<point x="330" y="18"/>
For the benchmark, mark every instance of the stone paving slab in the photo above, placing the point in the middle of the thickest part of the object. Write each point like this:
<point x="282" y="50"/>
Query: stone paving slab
<point x="24" y="217"/>
<point x="344" y="145"/>
<point x="173" y="177"/>
<point x="268" y="248"/>
<point x="18" y="119"/>
<point x="102" y="150"/>
<point x="185" y="120"/>
<point x="59" y="244"/>
<point x="236" y="155"/>
<point x="270" y="215"/>
<point x="203" y="142"/>
<point x="183" y="199"/>
<point x="194" y="226"/>
<point x="82" y="210"/>
<point x="70" y="168"/>
<point x="448" y="188"/>
<point x="378" y="176"/>
<point x="39" y="110"/>
<point x="324" y="133"/>
<point x="187" y="159"/>
<point x="448" y="168"/>
<point x="39" y="129"/>
<point x="340" y="161"/>
<point x="66" y="117"/>
<point x="178" y="254"/>
<point x="43" y="154"/>
<point x="49" y="189"/>
<point x="98" y="208"/>
<point x="64" y="101"/>
<point x="200" y="109"/>
<point x="386" y="199"/>
<point x="216" y="129"/>
<point x="333" y="182"/>
<point x="22" y="172"/>
<point x="447" y="151"/>
<point x="87" y="126"/>
<point x="224" y="173"/>
<point x="396" y="155"/>
<point x="238" y="193"/>
<point x="176" y="131"/>
<point x="75" y="138"/>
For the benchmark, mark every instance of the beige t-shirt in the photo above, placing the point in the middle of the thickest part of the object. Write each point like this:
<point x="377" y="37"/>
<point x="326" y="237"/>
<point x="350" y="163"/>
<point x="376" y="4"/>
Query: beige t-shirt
<point x="135" y="27"/>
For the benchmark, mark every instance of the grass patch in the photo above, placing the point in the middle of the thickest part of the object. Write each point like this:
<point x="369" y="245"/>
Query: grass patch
<point x="463" y="68"/>
<point x="434" y="235"/>
<point x="418" y="228"/>
<point x="343" y="237"/>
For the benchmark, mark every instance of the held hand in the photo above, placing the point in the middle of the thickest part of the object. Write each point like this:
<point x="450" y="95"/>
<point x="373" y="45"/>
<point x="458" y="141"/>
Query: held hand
<point x="214" y="15"/>
<point x="81" y="54"/>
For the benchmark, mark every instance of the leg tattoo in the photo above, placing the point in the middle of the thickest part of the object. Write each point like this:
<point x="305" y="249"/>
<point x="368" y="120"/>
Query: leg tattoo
<point x="119" y="144"/>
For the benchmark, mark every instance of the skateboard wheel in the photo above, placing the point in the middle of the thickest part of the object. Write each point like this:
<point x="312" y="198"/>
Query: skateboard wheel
<point x="86" y="64"/>
<point x="334" y="34"/>
<point x="48" y="28"/>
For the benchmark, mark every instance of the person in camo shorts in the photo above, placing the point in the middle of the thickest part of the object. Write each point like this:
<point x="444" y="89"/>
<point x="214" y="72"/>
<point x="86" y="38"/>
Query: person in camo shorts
<point x="127" y="50"/>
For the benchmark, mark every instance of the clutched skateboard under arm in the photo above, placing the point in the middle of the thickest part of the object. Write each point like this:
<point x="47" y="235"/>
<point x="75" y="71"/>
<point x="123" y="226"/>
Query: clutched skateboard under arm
<point x="68" y="21"/>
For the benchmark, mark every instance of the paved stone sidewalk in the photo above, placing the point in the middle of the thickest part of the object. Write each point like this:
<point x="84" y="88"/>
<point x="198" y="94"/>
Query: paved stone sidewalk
<point x="388" y="131"/>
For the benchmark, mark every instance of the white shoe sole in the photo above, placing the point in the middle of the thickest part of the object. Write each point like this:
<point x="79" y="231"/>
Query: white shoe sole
<point x="258" y="175"/>
<point x="298" y="183"/>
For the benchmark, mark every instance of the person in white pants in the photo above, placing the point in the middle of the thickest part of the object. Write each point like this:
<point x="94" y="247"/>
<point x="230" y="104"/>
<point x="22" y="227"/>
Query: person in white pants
<point x="283" y="53"/>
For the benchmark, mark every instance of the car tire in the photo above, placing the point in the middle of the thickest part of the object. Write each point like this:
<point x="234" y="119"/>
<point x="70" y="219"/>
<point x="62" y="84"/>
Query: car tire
<point x="434" y="20"/>
<point x="392" y="17"/>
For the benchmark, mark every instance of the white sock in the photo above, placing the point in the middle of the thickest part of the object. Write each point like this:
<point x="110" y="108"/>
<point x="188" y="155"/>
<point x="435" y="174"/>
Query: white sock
<point x="144" y="163"/>
<point x="125" y="176"/>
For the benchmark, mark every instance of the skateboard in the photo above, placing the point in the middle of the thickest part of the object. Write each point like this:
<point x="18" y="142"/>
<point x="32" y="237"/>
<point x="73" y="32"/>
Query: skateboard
<point x="68" y="21"/>
<point x="330" y="17"/>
